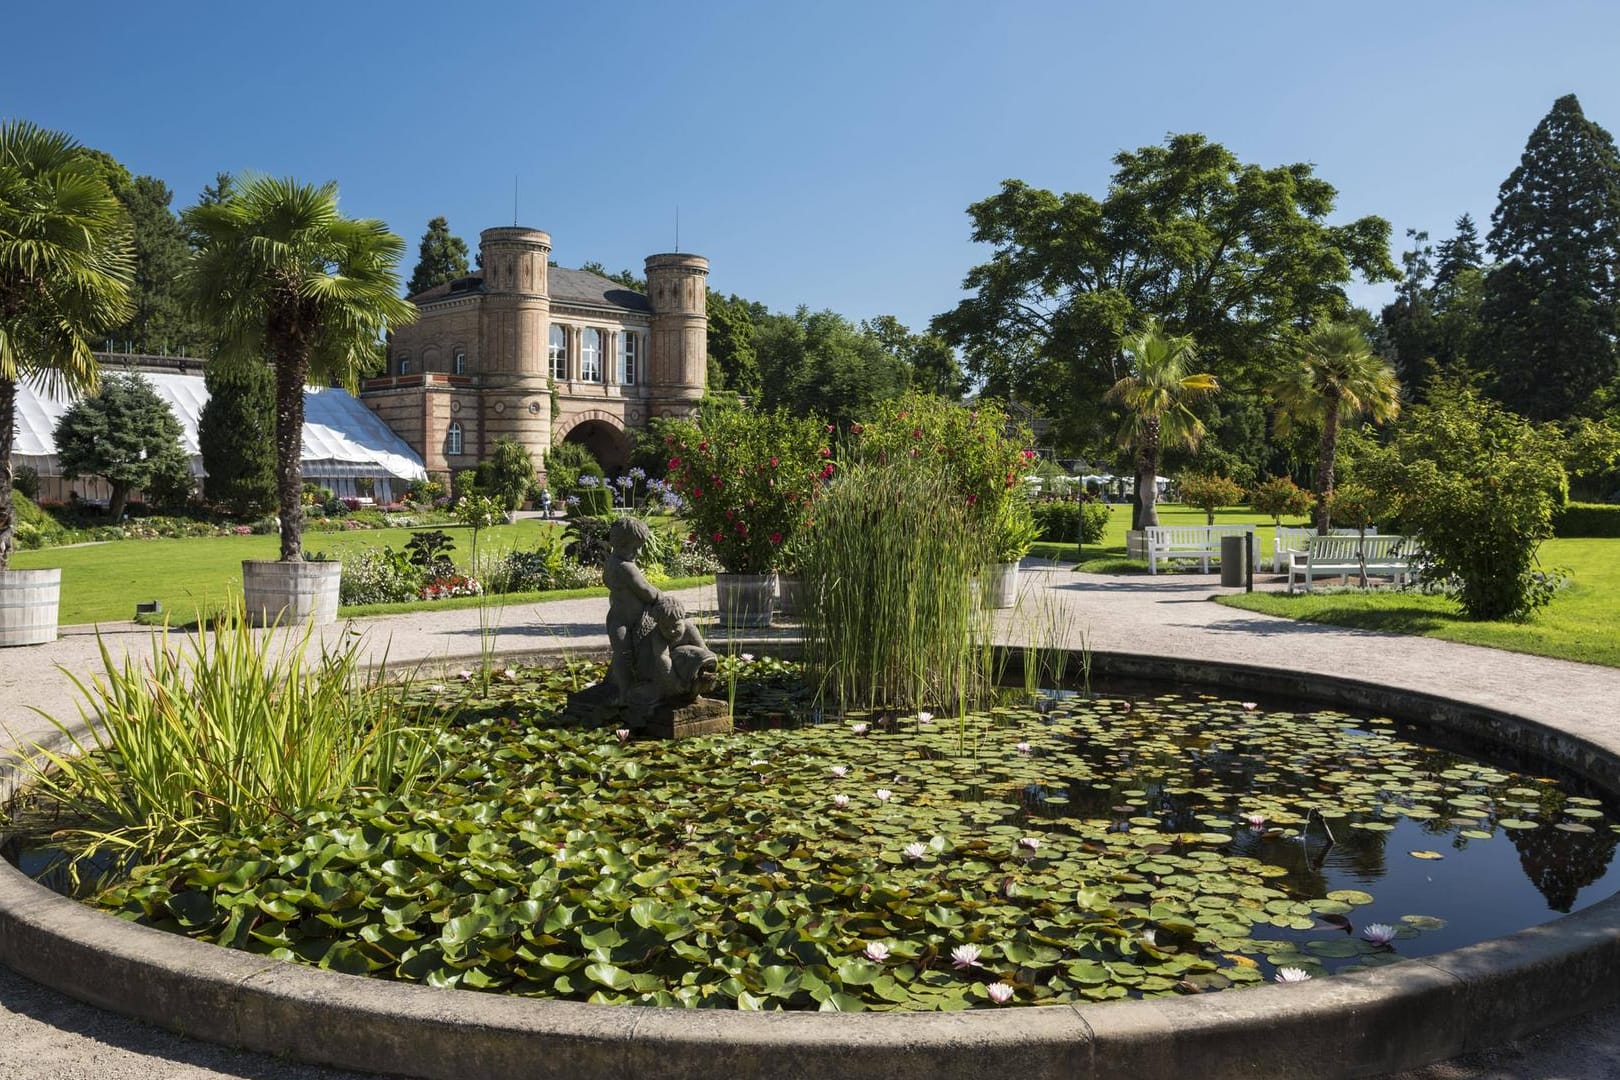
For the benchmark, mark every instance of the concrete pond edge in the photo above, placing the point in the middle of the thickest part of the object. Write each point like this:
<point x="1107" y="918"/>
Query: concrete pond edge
<point x="1360" y="1024"/>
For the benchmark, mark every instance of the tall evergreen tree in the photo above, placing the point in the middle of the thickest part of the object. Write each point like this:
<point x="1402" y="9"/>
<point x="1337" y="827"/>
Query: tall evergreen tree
<point x="237" y="435"/>
<point x="1409" y="330"/>
<point x="160" y="323"/>
<point x="1461" y="252"/>
<point x="125" y="433"/>
<point x="1551" y="310"/>
<point x="443" y="258"/>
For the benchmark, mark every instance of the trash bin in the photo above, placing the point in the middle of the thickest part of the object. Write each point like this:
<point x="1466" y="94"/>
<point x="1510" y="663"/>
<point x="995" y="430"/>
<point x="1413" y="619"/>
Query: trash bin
<point x="1232" y="560"/>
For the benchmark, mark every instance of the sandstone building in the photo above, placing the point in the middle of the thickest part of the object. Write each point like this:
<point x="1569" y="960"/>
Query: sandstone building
<point x="525" y="350"/>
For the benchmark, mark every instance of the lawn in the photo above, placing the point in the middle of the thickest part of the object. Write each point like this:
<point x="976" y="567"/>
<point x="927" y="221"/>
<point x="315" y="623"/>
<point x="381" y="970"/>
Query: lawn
<point x="103" y="582"/>
<point x="1582" y="624"/>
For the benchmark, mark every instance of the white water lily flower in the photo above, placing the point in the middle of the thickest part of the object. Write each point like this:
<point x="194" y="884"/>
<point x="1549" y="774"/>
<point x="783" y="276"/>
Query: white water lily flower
<point x="1378" y="933"/>
<point x="1250" y="705"/>
<point x="1030" y="842"/>
<point x="883" y="794"/>
<point x="877" y="952"/>
<point x="840" y="801"/>
<point x="924" y="717"/>
<point x="964" y="957"/>
<point x="915" y="852"/>
<point x="839" y="770"/>
<point x="860" y="729"/>
<point x="622" y="734"/>
<point x="1000" y="993"/>
<point x="747" y="657"/>
<point x="1291" y="975"/>
<point x="1022" y="748"/>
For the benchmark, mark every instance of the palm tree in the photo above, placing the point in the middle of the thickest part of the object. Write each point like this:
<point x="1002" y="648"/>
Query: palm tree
<point x="1337" y="377"/>
<point x="1155" y="399"/>
<point x="66" y="263"/>
<point x="282" y="274"/>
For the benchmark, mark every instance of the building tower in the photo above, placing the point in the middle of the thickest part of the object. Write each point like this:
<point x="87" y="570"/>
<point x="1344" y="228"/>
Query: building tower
<point x="515" y="321"/>
<point x="678" y="290"/>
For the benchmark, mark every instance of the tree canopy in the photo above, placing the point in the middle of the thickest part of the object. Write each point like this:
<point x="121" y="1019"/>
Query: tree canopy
<point x="442" y="257"/>
<point x="123" y="433"/>
<point x="236" y="434"/>
<point x="1551" y="310"/>
<point x="1236" y="255"/>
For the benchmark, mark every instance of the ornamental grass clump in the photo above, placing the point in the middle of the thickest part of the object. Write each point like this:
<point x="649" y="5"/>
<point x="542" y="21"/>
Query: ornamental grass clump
<point x="225" y="734"/>
<point x="891" y="619"/>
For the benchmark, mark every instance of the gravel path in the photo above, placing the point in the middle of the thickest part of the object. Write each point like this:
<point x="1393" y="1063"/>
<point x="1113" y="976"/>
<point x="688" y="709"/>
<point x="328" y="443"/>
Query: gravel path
<point x="46" y="1036"/>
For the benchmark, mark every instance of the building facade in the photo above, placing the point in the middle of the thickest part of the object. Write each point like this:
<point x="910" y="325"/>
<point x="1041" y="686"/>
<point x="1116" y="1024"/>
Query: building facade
<point x="541" y="354"/>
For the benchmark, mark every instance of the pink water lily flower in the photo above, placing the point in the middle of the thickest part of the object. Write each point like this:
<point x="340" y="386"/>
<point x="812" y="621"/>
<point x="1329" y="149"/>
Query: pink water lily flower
<point x="464" y="675"/>
<point x="1030" y="842"/>
<point x="839" y="770"/>
<point x="860" y="729"/>
<point x="1378" y="933"/>
<point x="1250" y="706"/>
<point x="877" y="952"/>
<point x="1000" y="993"/>
<point x="883" y="794"/>
<point x="1022" y="748"/>
<point x="1256" y="821"/>
<point x="1291" y="975"/>
<point x="964" y="957"/>
<point x="915" y="852"/>
<point x="622" y="734"/>
<point x="748" y="658"/>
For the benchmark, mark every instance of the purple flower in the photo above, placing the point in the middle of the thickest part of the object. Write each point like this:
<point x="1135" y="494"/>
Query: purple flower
<point x="571" y="502"/>
<point x="589" y="481"/>
<point x="877" y="952"/>
<point x="1000" y="993"/>
<point x="637" y="473"/>
<point x="1291" y="975"/>
<point x="1378" y="933"/>
<point x="964" y="957"/>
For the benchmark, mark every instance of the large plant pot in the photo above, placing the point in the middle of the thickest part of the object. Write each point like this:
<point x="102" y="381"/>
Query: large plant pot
<point x="787" y="594"/>
<point x="745" y="599"/>
<point x="28" y="606"/>
<point x="1136" y="544"/>
<point x="1000" y="588"/>
<point x="290" y="592"/>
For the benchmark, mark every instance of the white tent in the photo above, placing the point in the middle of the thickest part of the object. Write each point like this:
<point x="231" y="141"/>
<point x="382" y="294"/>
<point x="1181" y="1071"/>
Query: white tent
<point x="343" y="440"/>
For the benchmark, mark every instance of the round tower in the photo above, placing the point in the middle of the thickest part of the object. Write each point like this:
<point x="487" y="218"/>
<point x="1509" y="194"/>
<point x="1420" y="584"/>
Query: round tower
<point x="678" y="289"/>
<point x="514" y="323"/>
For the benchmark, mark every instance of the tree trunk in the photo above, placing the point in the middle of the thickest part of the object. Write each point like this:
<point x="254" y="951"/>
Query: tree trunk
<point x="290" y="346"/>
<point x="1324" y="462"/>
<point x="8" y="431"/>
<point x="1147" y="476"/>
<point x="116" y="502"/>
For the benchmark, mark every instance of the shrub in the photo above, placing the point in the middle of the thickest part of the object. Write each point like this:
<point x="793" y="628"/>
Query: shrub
<point x="1478" y="484"/>
<point x="1208" y="493"/>
<point x="1587" y="519"/>
<point x="1061" y="521"/>
<point x="378" y="576"/>
<point x="565" y="463"/>
<point x="1280" y="497"/>
<point x="25" y="482"/>
<point x="593" y="500"/>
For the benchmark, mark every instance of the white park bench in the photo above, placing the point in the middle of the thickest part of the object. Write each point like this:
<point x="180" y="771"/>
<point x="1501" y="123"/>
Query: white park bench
<point x="1202" y="542"/>
<point x="1287" y="541"/>
<point x="1342" y="556"/>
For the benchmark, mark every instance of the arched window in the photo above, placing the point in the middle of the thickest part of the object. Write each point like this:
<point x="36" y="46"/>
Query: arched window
<point x="404" y="365"/>
<point x="559" y="352"/>
<point x="629" y="355"/>
<point x="590" y="356"/>
<point x="452" y="440"/>
<point x="459" y="365"/>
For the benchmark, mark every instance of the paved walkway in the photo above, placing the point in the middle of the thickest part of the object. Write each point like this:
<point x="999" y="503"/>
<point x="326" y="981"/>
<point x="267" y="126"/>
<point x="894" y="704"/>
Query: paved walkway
<point x="46" y="1036"/>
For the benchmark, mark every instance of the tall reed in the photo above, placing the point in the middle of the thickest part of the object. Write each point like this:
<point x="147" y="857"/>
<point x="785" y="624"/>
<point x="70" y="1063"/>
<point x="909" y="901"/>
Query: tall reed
<point x="228" y="732"/>
<point x="891" y="617"/>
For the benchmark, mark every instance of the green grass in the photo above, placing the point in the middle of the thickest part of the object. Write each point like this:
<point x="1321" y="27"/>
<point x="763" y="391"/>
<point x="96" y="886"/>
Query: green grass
<point x="103" y="582"/>
<point x="1582" y="624"/>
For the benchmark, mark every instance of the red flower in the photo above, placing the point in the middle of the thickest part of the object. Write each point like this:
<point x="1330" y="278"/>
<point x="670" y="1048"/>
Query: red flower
<point x="704" y="447"/>
<point x="829" y="429"/>
<point x="730" y="514"/>
<point x="674" y="462"/>
<point x="718" y="536"/>
<point x="776" y="538"/>
<point x="902" y="416"/>
<point x="773" y="461"/>
<point x="697" y="493"/>
<point x="742" y="528"/>
<point x="827" y="471"/>
<point x="826" y="453"/>
<point x="856" y="429"/>
<point x="692" y="536"/>
<point x="972" y="499"/>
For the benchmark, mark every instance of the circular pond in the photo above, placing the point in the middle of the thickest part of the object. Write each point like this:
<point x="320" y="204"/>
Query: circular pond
<point x="1063" y="848"/>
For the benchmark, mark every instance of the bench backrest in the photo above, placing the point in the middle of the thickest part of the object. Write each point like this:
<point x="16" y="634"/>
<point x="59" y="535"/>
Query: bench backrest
<point x="1192" y="535"/>
<point x="1289" y="539"/>
<point x="1338" y="548"/>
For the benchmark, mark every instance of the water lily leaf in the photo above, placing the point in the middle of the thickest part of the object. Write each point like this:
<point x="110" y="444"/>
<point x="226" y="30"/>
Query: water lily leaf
<point x="608" y="975"/>
<point x="1350" y="896"/>
<point x="1427" y="855"/>
<point x="1516" y="823"/>
<point x="1423" y="922"/>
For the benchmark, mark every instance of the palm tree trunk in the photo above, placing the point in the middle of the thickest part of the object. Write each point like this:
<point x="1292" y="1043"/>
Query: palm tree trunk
<point x="1324" y="462"/>
<point x="1147" y="477"/>
<point x="8" y="431"/>
<point x="290" y="347"/>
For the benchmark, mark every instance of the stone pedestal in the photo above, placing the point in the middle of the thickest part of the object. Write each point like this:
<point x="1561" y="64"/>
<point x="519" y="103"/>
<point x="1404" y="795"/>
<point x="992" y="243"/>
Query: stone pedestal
<point x="705" y="716"/>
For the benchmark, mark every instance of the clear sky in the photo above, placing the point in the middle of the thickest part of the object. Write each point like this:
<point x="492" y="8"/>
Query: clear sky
<point x="822" y="152"/>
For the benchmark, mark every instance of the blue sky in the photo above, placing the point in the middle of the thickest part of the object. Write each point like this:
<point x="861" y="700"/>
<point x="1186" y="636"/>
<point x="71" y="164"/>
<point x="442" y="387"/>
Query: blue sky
<point x="821" y="153"/>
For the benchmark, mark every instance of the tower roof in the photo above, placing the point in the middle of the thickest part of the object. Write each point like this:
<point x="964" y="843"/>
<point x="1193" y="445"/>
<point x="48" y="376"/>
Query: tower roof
<point x="566" y="286"/>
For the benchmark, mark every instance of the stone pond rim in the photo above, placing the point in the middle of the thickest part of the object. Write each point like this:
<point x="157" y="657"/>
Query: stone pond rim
<point x="1358" y="1024"/>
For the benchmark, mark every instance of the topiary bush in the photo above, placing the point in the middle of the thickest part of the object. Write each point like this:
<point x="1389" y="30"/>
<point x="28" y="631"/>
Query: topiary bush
<point x="1601" y="520"/>
<point x="1060" y="522"/>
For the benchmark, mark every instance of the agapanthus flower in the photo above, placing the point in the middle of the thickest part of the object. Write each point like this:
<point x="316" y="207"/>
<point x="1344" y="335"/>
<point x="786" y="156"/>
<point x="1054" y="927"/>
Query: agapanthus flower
<point x="964" y="957"/>
<point x="1291" y="975"/>
<point x="1378" y="933"/>
<point x="637" y="473"/>
<point x="1000" y="993"/>
<point x="877" y="952"/>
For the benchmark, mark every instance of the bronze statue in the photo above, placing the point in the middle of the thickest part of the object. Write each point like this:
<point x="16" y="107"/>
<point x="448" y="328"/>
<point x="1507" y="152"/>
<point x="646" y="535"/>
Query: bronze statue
<point x="658" y="657"/>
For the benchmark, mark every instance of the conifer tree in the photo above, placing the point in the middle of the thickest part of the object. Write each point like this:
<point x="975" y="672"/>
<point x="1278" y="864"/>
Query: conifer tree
<point x="1551" y="310"/>
<point x="443" y="258"/>
<point x="236" y="434"/>
<point x="1461" y="252"/>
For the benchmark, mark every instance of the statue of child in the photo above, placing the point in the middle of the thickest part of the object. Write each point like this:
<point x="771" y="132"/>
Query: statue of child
<point x="629" y="595"/>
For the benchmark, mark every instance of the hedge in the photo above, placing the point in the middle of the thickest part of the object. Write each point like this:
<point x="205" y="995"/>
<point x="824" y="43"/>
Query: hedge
<point x="1059" y="521"/>
<point x="1587" y="519"/>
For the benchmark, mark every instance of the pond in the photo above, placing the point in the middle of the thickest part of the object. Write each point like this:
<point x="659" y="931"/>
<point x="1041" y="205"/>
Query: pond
<point x="1062" y="847"/>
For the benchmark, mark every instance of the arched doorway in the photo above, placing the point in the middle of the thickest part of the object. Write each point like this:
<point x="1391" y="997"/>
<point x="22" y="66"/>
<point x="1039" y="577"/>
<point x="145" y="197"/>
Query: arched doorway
<point x="606" y="443"/>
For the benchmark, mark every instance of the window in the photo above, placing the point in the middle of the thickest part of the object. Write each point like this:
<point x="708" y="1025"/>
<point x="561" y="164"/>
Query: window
<point x="627" y="357"/>
<point x="590" y="356"/>
<point x="404" y="365"/>
<point x="459" y="364"/>
<point x="452" y="440"/>
<point x="559" y="352"/>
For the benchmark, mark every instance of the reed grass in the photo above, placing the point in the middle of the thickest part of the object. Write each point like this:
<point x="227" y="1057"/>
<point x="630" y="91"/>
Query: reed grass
<point x="228" y="732"/>
<point x="891" y="615"/>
